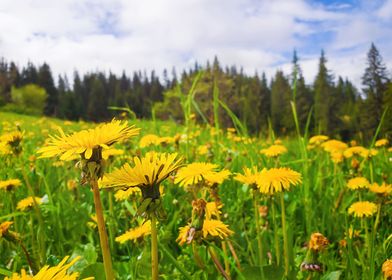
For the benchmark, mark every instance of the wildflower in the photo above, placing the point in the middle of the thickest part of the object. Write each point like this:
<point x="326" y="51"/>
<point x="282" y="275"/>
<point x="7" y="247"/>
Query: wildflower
<point x="334" y="146"/>
<point x="317" y="140"/>
<point x="336" y="156"/>
<point x="135" y="233"/>
<point x="362" y="209"/>
<point x="212" y="209"/>
<point x="111" y="152"/>
<point x="11" y="142"/>
<point x="50" y="273"/>
<point x="148" y="140"/>
<point x="121" y="195"/>
<point x="383" y="189"/>
<point x="249" y="177"/>
<point x="381" y="143"/>
<point x="317" y="242"/>
<point x="274" y="151"/>
<point x="357" y="150"/>
<point x="4" y="228"/>
<point x="71" y="184"/>
<point x="275" y="180"/>
<point x="358" y="183"/>
<point x="85" y="142"/>
<point x="194" y="173"/>
<point x="214" y="228"/>
<point x="28" y="203"/>
<point x="93" y="221"/>
<point x="387" y="269"/>
<point x="9" y="185"/>
<point x="217" y="178"/>
<point x="147" y="174"/>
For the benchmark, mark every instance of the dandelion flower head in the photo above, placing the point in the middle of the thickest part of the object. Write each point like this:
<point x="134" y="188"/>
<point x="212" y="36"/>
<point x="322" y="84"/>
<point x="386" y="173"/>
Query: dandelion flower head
<point x="274" y="151"/>
<point x="84" y="142"/>
<point x="135" y="233"/>
<point x="362" y="209"/>
<point x="358" y="183"/>
<point x="275" y="180"/>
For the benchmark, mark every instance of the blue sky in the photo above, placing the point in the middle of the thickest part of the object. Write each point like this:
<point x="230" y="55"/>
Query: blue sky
<point x="259" y="35"/>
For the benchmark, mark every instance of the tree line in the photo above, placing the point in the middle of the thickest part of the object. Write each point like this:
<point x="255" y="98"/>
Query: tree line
<point x="326" y="106"/>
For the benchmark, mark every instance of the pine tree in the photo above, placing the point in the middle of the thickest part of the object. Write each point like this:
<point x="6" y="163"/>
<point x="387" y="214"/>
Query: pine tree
<point x="281" y="115"/>
<point x="45" y="80"/>
<point x="375" y="80"/>
<point x="323" y="86"/>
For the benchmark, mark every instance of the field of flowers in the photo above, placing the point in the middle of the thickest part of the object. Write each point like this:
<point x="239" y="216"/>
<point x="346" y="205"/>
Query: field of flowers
<point x="137" y="199"/>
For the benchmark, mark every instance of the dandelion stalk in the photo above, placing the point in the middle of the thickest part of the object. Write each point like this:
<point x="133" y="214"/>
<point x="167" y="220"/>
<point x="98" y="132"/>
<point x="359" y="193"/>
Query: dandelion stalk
<point x="285" y="239"/>
<point x="217" y="263"/>
<point x="154" y="247"/>
<point x="103" y="237"/>
<point x="259" y="241"/>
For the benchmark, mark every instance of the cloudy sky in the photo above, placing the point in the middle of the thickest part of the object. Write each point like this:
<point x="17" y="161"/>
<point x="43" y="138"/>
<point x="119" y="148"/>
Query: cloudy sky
<point x="259" y="35"/>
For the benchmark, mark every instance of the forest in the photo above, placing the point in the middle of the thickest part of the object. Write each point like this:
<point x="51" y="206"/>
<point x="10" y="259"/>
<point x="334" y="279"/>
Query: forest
<point x="328" y="105"/>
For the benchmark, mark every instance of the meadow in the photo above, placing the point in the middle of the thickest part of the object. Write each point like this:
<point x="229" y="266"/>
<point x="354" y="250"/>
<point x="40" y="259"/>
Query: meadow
<point x="234" y="207"/>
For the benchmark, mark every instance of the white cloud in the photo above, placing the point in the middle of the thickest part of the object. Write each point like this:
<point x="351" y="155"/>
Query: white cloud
<point x="155" y="34"/>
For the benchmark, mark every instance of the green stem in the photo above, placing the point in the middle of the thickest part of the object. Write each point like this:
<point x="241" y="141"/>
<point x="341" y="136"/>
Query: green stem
<point x="285" y="239"/>
<point x="103" y="237"/>
<point x="276" y="240"/>
<point x="154" y="247"/>
<point x="259" y="241"/>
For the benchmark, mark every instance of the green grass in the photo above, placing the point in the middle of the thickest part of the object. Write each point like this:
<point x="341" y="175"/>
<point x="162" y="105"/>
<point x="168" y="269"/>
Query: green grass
<point x="59" y="227"/>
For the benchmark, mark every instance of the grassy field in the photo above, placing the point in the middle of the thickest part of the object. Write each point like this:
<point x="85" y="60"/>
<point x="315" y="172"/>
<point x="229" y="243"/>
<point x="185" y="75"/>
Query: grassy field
<point x="272" y="234"/>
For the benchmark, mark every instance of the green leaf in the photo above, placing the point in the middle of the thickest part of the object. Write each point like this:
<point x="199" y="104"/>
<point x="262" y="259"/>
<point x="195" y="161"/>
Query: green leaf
<point x="96" y="270"/>
<point x="5" y="272"/>
<point x="334" y="275"/>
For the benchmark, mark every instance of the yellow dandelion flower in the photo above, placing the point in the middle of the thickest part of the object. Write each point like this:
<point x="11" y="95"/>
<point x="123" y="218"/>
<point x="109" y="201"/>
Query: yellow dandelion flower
<point x="318" y="242"/>
<point x="387" y="269"/>
<point x="359" y="151"/>
<point x="217" y="177"/>
<point x="9" y="185"/>
<point x="12" y="138"/>
<point x="274" y="151"/>
<point x="27" y="203"/>
<point x="135" y="233"/>
<point x="362" y="208"/>
<point x="215" y="228"/>
<point x="211" y="227"/>
<point x="203" y="150"/>
<point x="194" y="173"/>
<point x="270" y="181"/>
<point x="147" y="174"/>
<point x="122" y="195"/>
<point x="390" y="149"/>
<point x="358" y="183"/>
<point x="249" y="177"/>
<point x="5" y="149"/>
<point x="148" y="140"/>
<point x="111" y="152"/>
<point x="4" y="228"/>
<point x="84" y="142"/>
<point x="51" y="273"/>
<point x="93" y="221"/>
<point x="383" y="189"/>
<point x="212" y="209"/>
<point x="336" y="157"/>
<point x="71" y="184"/>
<point x="381" y="143"/>
<point x="334" y="146"/>
<point x="317" y="140"/>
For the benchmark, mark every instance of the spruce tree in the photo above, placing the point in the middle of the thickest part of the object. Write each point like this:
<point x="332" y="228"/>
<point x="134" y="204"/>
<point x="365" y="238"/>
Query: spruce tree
<point x="323" y="86"/>
<point x="374" y="80"/>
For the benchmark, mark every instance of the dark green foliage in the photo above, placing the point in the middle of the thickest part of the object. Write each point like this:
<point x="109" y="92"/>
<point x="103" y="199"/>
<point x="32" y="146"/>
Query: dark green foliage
<point x="375" y="81"/>
<point x="336" y="110"/>
<point x="323" y="87"/>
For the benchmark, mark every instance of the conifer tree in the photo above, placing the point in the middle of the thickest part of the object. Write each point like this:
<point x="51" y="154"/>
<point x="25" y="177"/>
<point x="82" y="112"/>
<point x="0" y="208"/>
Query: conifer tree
<point x="323" y="86"/>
